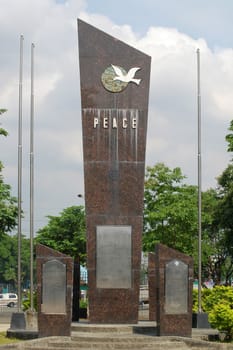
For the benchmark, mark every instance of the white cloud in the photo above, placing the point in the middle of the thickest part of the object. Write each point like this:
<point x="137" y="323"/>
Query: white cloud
<point x="46" y="84"/>
<point x="172" y="131"/>
<point x="105" y="24"/>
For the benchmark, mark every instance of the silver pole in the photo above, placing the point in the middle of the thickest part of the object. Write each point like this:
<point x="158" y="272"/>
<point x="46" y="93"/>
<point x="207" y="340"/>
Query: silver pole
<point x="199" y="182"/>
<point x="32" y="177"/>
<point x="20" y="171"/>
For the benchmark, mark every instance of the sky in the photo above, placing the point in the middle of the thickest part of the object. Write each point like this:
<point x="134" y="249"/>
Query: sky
<point x="170" y="32"/>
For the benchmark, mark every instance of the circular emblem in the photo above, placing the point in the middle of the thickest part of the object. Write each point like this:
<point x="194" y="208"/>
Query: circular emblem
<point x="109" y="83"/>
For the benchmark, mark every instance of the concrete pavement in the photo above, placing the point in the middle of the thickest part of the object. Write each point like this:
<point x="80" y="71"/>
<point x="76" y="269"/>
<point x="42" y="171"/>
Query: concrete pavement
<point x="4" y="327"/>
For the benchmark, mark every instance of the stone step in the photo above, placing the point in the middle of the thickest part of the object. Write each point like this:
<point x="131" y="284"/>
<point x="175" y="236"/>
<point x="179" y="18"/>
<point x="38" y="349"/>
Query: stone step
<point x="101" y="328"/>
<point x="148" y="328"/>
<point x="122" y="342"/>
<point x="132" y="338"/>
<point x="117" y="337"/>
<point x="91" y="346"/>
<point x="107" y="346"/>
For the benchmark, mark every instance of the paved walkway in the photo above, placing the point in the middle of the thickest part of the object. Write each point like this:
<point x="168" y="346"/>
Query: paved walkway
<point x="4" y="327"/>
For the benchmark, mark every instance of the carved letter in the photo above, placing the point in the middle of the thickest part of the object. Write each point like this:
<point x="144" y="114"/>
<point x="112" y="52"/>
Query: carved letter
<point x="96" y="122"/>
<point x="124" y="123"/>
<point x="114" y="123"/>
<point x="105" y="123"/>
<point x="134" y="123"/>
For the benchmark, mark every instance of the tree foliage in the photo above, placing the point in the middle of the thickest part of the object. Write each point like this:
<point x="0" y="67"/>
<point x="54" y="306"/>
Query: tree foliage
<point x="170" y="214"/>
<point x="213" y="239"/>
<point x="9" y="263"/>
<point x="8" y="206"/>
<point x="224" y="216"/>
<point x="229" y="138"/>
<point x="3" y="131"/>
<point x="66" y="233"/>
<point x="9" y="244"/>
<point x="223" y="226"/>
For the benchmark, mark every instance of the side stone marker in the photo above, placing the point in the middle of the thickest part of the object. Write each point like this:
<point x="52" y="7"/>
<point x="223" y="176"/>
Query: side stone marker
<point x="54" y="288"/>
<point x="170" y="291"/>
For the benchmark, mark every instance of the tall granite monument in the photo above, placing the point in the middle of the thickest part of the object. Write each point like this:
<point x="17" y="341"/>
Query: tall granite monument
<point x="114" y="93"/>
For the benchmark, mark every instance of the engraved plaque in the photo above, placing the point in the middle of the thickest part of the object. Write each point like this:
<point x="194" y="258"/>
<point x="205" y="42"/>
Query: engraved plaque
<point x="176" y="287"/>
<point x="54" y="287"/>
<point x="113" y="256"/>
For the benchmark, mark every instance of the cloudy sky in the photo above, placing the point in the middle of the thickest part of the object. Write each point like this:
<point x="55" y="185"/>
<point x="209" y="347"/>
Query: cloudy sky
<point x="170" y="32"/>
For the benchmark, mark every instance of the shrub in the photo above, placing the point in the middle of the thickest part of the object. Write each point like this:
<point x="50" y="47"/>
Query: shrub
<point x="218" y="303"/>
<point x="218" y="295"/>
<point x="221" y="317"/>
<point x="27" y="302"/>
<point x="205" y="295"/>
<point x="83" y="303"/>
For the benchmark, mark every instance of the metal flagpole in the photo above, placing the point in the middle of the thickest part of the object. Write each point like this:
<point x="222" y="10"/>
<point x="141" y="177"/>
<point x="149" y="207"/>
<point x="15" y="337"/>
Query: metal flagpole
<point x="199" y="182"/>
<point x="32" y="177"/>
<point x="20" y="170"/>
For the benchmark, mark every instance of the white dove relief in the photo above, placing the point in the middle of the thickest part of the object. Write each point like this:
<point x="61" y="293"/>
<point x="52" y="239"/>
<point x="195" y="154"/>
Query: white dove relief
<point x="126" y="78"/>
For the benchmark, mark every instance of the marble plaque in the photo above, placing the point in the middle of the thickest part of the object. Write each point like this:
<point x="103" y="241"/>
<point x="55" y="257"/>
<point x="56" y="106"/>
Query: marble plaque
<point x="176" y="287"/>
<point x="113" y="257"/>
<point x="54" y="287"/>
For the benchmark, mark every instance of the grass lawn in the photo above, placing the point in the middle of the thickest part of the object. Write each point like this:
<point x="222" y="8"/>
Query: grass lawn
<point x="5" y="340"/>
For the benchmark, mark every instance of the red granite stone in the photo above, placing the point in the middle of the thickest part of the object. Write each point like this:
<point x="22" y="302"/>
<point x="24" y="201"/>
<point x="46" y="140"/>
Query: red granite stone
<point x="179" y="324"/>
<point x="114" y="162"/>
<point x="54" y="324"/>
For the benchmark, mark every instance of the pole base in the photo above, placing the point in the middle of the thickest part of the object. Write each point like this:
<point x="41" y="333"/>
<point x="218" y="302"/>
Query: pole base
<point x="200" y="320"/>
<point x="18" y="320"/>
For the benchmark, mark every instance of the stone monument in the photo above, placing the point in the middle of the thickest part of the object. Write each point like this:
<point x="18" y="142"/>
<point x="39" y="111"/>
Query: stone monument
<point x="54" y="288"/>
<point x="170" y="291"/>
<point x="114" y="81"/>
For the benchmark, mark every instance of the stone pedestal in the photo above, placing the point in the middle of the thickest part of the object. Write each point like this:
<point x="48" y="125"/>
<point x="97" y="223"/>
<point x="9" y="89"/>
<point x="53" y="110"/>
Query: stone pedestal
<point x="54" y="287"/>
<point x="170" y="291"/>
<point x="114" y="119"/>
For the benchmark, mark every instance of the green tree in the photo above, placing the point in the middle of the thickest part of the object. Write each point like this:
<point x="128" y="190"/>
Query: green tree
<point x="9" y="244"/>
<point x="213" y="238"/>
<point x="224" y="217"/>
<point x="8" y="260"/>
<point x="3" y="131"/>
<point x="229" y="138"/>
<point x="66" y="233"/>
<point x="8" y="207"/>
<point x="170" y="214"/>
<point x="224" y="224"/>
